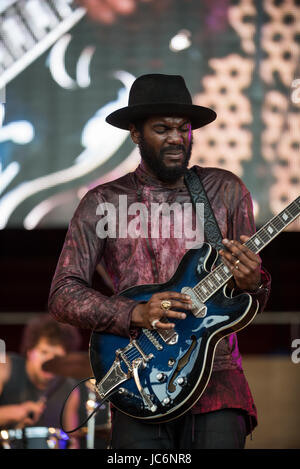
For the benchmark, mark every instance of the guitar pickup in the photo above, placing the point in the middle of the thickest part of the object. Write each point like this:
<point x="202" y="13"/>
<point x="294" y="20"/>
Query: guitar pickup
<point x="199" y="309"/>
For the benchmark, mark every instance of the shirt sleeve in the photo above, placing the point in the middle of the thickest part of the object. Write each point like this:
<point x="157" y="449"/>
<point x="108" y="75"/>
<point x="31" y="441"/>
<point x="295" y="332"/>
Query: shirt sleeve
<point x="72" y="299"/>
<point x="243" y="224"/>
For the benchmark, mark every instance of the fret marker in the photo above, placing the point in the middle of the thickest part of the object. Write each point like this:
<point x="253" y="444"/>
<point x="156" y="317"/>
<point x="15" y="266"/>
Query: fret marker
<point x="225" y="268"/>
<point x="257" y="241"/>
<point x="270" y="229"/>
<point x="285" y="216"/>
<point x="218" y="277"/>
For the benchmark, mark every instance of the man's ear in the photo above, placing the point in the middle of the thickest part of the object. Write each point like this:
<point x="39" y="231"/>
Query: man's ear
<point x="135" y="134"/>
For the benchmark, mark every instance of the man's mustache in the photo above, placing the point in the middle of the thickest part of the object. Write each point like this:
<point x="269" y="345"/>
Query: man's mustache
<point x="174" y="148"/>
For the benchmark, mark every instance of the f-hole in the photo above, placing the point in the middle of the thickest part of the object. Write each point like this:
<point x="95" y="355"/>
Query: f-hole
<point x="181" y="364"/>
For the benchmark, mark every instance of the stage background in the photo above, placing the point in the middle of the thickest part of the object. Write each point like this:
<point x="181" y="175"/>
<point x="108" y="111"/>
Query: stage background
<point x="240" y="58"/>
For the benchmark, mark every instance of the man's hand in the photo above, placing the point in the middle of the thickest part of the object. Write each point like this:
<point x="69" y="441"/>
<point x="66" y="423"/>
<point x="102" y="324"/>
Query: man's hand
<point x="243" y="263"/>
<point x="106" y="11"/>
<point x="27" y="413"/>
<point x="145" y="313"/>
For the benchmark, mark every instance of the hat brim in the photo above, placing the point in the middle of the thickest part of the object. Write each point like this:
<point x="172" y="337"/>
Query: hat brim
<point x="198" y="115"/>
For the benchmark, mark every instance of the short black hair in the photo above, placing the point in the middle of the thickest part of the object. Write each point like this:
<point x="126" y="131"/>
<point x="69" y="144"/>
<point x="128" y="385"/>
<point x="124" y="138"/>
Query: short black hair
<point x="55" y="333"/>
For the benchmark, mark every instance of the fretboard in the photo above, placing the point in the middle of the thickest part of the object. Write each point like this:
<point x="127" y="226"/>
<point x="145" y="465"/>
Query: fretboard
<point x="28" y="28"/>
<point x="221" y="274"/>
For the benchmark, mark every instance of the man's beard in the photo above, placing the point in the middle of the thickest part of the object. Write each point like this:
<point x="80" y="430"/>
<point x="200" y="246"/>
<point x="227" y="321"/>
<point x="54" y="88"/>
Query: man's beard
<point x="156" y="163"/>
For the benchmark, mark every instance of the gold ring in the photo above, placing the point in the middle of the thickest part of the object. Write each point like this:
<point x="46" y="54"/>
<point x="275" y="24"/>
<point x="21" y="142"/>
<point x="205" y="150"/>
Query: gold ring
<point x="165" y="304"/>
<point x="236" y="264"/>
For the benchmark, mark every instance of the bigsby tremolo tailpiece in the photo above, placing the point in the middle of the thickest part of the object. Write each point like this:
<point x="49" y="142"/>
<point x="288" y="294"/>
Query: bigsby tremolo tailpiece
<point x="115" y="375"/>
<point x="146" y="398"/>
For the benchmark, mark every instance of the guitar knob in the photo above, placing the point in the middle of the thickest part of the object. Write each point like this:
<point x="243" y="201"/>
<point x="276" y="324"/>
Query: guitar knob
<point x="171" y="362"/>
<point x="160" y="377"/>
<point x="166" y="401"/>
<point x="181" y="381"/>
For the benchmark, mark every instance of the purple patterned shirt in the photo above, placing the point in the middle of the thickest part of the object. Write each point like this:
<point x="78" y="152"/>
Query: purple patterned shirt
<point x="139" y="260"/>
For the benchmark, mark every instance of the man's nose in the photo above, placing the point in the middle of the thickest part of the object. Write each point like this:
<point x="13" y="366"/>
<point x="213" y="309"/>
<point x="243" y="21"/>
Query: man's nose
<point x="174" y="137"/>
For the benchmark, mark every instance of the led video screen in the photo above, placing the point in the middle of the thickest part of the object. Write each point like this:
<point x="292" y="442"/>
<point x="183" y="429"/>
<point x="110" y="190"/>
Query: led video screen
<point x="239" y="57"/>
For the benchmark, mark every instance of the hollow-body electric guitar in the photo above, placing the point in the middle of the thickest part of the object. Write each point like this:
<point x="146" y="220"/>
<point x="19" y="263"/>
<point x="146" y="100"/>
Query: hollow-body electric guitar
<point x="162" y="373"/>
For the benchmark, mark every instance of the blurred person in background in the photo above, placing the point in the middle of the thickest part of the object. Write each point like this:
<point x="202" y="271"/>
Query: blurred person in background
<point x="30" y="396"/>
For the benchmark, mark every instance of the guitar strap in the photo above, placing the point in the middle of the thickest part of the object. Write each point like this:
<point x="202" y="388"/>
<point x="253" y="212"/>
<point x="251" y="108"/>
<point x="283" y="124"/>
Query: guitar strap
<point x="198" y="195"/>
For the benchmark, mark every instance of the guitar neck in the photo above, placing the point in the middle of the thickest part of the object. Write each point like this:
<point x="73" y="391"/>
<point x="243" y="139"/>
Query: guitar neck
<point x="222" y="274"/>
<point x="28" y="28"/>
<point x="271" y="229"/>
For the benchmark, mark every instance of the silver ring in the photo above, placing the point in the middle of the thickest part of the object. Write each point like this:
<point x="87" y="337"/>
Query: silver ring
<point x="236" y="264"/>
<point x="153" y="323"/>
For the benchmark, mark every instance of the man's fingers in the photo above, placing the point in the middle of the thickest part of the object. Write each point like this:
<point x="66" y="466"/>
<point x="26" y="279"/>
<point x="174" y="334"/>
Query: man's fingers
<point x="158" y="317"/>
<point x="174" y="304"/>
<point x="237" y="268"/>
<point x="169" y="295"/>
<point x="124" y="7"/>
<point x="243" y="263"/>
<point x="236" y="251"/>
<point x="175" y="314"/>
<point x="244" y="238"/>
<point x="107" y="11"/>
<point x="164" y="323"/>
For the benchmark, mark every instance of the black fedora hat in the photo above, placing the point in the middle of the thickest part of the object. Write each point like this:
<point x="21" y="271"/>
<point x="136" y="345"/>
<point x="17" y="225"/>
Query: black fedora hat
<point x="164" y="95"/>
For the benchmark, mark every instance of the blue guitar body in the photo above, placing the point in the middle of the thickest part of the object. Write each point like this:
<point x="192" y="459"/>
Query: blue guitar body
<point x="159" y="377"/>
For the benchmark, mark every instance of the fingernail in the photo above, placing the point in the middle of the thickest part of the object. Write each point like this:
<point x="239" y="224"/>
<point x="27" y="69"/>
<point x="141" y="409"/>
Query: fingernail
<point x="225" y="241"/>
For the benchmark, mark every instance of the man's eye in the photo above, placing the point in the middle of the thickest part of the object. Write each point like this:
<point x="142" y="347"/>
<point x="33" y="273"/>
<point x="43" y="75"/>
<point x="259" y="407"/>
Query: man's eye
<point x="160" y="130"/>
